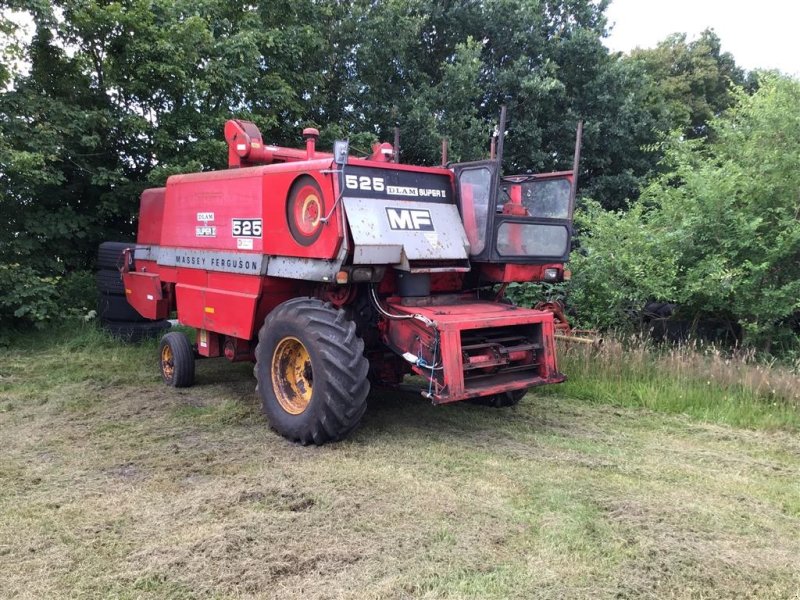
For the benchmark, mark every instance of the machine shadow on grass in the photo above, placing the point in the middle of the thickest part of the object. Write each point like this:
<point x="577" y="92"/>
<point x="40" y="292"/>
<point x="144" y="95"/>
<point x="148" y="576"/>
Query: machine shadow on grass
<point x="389" y="411"/>
<point x="405" y="414"/>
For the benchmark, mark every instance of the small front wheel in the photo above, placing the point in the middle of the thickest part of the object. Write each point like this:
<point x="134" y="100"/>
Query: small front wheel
<point x="176" y="360"/>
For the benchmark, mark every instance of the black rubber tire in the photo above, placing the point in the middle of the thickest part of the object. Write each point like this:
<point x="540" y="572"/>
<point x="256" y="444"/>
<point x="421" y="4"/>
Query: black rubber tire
<point x="109" y="255"/>
<point x="135" y="331"/>
<point x="113" y="307"/>
<point x="181" y="360"/>
<point x="340" y="385"/>
<point x="109" y="282"/>
<point x="501" y="400"/>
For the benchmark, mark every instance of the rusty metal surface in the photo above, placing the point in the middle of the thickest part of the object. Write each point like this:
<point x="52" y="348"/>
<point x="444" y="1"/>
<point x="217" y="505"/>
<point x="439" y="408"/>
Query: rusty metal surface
<point x="566" y="333"/>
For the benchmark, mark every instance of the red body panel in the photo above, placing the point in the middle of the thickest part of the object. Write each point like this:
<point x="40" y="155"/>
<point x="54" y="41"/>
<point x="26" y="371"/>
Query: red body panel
<point x="507" y="273"/>
<point x="250" y="193"/>
<point x="145" y="293"/>
<point x="151" y="213"/>
<point x="219" y="310"/>
<point x="496" y="359"/>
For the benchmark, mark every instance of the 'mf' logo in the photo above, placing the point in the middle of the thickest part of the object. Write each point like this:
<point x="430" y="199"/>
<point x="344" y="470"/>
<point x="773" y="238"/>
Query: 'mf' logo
<point x="413" y="219"/>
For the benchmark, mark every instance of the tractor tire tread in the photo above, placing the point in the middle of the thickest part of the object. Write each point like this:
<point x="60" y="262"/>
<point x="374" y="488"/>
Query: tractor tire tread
<point x="340" y="353"/>
<point x="134" y="331"/>
<point x="109" y="282"/>
<point x="115" y="307"/>
<point x="109" y="255"/>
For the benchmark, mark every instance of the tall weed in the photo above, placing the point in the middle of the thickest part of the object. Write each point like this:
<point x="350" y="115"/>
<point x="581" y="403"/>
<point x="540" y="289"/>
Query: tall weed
<point x="701" y="381"/>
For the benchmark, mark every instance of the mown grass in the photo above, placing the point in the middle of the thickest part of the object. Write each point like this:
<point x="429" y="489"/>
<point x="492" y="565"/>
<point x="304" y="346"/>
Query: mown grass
<point x="114" y="486"/>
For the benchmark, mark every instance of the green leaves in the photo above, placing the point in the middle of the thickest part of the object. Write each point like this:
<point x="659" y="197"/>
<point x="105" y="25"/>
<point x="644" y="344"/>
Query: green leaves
<point x="625" y="259"/>
<point x="690" y="82"/>
<point x="718" y="233"/>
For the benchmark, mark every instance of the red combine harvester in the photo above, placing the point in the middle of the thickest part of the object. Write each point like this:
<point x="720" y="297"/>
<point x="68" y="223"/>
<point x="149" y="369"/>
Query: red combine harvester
<point x="332" y="272"/>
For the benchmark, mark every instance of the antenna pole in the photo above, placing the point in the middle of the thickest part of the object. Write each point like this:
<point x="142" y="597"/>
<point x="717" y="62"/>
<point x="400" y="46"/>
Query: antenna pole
<point x="396" y="146"/>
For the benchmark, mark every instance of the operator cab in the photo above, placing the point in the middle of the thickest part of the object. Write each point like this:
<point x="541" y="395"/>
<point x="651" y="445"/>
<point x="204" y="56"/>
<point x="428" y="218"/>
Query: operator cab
<point x="520" y="219"/>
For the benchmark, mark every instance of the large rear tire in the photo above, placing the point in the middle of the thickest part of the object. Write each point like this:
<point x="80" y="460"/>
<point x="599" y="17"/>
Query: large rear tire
<point x="135" y="331"/>
<point x="113" y="307"/>
<point x="110" y="282"/>
<point x="311" y="372"/>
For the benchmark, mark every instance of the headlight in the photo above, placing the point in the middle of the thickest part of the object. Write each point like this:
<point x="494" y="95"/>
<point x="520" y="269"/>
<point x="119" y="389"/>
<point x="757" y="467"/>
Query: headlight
<point x="551" y="274"/>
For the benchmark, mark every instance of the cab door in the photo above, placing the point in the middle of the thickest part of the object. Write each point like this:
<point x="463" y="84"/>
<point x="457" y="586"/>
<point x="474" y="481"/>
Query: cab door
<point x="476" y="187"/>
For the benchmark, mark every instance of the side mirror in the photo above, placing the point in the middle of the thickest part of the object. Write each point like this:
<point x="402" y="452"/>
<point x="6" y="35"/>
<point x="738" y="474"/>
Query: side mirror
<point x="341" y="149"/>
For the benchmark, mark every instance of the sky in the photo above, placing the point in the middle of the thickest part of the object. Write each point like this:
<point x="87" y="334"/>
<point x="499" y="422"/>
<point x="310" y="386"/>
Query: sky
<point x="760" y="34"/>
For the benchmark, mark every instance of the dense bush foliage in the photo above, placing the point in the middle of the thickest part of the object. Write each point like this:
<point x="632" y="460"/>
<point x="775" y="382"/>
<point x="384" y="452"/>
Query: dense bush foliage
<point x="718" y="232"/>
<point x="27" y="297"/>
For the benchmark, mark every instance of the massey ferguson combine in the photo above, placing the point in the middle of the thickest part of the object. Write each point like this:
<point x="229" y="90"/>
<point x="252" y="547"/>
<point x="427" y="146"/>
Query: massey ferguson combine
<point x="333" y="273"/>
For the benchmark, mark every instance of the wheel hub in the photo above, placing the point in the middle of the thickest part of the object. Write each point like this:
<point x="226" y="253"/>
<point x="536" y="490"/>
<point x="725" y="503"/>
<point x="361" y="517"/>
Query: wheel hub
<point x="292" y="375"/>
<point x="167" y="362"/>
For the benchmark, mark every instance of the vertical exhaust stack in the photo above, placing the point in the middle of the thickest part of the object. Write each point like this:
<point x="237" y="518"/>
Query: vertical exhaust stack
<point x="501" y="138"/>
<point x="396" y="145"/>
<point x="576" y="159"/>
<point x="310" y="135"/>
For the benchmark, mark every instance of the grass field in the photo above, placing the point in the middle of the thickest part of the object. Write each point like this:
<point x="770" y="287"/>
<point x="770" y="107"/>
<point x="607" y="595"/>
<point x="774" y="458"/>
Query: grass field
<point x="113" y="486"/>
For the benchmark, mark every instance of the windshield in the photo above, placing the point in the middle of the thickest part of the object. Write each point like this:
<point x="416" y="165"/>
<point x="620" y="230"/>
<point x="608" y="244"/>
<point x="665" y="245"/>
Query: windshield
<point x="532" y="239"/>
<point x="545" y="199"/>
<point x="474" y="187"/>
<point x="542" y="198"/>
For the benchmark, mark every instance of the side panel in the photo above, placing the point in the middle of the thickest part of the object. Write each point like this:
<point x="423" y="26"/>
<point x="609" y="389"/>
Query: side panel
<point x="278" y="239"/>
<point x="245" y="210"/>
<point x="386" y="230"/>
<point x="199" y="210"/>
<point x="144" y="293"/>
<point x="151" y="213"/>
<point x="190" y="301"/>
<point x="220" y="311"/>
<point x="229" y="312"/>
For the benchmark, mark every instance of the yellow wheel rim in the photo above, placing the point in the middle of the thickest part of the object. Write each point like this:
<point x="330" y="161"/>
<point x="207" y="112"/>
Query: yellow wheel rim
<point x="292" y="377"/>
<point x="167" y="361"/>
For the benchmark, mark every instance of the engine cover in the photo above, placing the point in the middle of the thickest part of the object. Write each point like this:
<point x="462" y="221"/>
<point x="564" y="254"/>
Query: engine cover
<point x="404" y="232"/>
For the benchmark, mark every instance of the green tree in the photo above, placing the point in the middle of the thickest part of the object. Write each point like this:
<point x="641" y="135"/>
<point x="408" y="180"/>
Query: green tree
<point x="143" y="91"/>
<point x="443" y="70"/>
<point x="690" y="82"/>
<point x="718" y="232"/>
